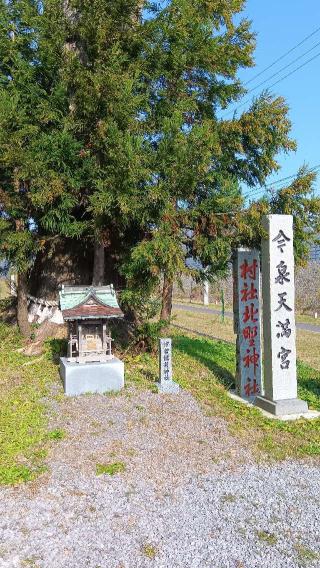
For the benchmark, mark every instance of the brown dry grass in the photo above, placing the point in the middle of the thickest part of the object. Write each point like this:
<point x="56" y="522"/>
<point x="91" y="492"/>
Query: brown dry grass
<point x="308" y="348"/>
<point x="205" y="323"/>
<point x="4" y="289"/>
<point x="300" y="316"/>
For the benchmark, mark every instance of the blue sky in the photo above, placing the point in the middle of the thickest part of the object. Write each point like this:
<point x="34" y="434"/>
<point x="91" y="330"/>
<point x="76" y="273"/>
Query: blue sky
<point x="281" y="24"/>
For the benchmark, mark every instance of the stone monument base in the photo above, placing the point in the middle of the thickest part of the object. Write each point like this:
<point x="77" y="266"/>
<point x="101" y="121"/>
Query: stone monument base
<point x="306" y="414"/>
<point x="91" y="377"/>
<point x="282" y="407"/>
<point x="168" y="387"/>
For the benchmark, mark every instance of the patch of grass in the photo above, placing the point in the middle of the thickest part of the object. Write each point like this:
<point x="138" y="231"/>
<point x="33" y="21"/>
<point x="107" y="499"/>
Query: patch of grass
<point x="308" y="345"/>
<point x="228" y="498"/>
<point x="304" y="318"/>
<point x="142" y="371"/>
<point x="31" y="562"/>
<point x="12" y="474"/>
<point x="131" y="452"/>
<point x="305" y="554"/>
<point x="56" y="435"/>
<point x="112" y="393"/>
<point x="149" y="551"/>
<point x="309" y="385"/>
<point x="199" y="303"/>
<point x="110" y="469"/>
<point x="24" y="390"/>
<point x="267" y="537"/>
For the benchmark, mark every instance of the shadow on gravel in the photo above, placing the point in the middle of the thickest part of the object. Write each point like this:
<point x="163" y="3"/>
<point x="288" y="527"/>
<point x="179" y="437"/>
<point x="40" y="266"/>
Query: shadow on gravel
<point x="218" y="356"/>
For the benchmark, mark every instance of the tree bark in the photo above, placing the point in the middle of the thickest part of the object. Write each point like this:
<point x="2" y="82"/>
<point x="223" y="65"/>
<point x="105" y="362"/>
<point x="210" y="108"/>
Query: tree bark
<point x="98" y="264"/>
<point x="22" y="305"/>
<point x="61" y="261"/>
<point x="167" y="293"/>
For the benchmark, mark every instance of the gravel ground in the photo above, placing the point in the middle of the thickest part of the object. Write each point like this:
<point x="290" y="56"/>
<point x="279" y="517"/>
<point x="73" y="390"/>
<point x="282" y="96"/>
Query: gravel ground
<point x="190" y="496"/>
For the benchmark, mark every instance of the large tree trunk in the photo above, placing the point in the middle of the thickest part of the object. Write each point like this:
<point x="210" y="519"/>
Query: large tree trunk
<point x="22" y="280"/>
<point x="167" y="293"/>
<point x="62" y="261"/>
<point x="98" y="264"/>
<point x="22" y="305"/>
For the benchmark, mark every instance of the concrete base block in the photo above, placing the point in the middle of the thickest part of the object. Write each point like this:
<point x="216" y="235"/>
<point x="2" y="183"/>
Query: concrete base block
<point x="307" y="415"/>
<point x="168" y="387"/>
<point x="282" y="407"/>
<point x="91" y="377"/>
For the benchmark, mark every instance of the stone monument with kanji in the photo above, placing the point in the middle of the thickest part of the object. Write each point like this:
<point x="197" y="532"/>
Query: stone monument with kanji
<point x="279" y="326"/>
<point x="247" y="320"/>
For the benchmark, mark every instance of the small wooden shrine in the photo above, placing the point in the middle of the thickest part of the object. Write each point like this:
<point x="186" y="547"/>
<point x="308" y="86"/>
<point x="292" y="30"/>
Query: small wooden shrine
<point x="87" y="309"/>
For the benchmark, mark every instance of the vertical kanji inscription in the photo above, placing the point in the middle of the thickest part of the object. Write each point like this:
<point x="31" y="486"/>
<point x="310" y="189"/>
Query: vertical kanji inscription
<point x="247" y="316"/>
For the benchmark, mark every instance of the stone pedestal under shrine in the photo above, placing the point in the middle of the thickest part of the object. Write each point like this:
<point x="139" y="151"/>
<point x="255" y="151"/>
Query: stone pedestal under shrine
<point x="91" y="377"/>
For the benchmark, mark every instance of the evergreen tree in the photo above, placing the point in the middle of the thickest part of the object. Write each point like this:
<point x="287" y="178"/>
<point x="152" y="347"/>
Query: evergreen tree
<point x="103" y="74"/>
<point x="298" y="199"/>
<point x="199" y="158"/>
<point x="113" y="131"/>
<point x="41" y="169"/>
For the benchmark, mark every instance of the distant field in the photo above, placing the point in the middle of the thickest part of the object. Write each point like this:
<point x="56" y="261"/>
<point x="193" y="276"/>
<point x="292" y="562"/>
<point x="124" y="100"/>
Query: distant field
<point x="213" y="305"/>
<point x="4" y="289"/>
<point x="308" y="343"/>
<point x="301" y="318"/>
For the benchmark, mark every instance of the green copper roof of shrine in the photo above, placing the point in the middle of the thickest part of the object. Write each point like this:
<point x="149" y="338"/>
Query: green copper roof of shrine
<point x="73" y="296"/>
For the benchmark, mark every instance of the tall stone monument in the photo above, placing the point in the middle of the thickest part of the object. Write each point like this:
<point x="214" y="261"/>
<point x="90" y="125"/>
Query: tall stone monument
<point x="247" y="322"/>
<point x="279" y="326"/>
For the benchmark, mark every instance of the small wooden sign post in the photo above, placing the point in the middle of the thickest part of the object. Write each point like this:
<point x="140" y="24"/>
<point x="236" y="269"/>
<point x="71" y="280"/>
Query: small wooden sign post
<point x="166" y="384"/>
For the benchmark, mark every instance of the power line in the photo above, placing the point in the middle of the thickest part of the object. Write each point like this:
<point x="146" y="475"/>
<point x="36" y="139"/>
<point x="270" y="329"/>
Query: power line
<point x="283" y="56"/>
<point x="277" y="82"/>
<point x="283" y="68"/>
<point x="310" y="170"/>
<point x="269" y="185"/>
<point x="268" y="189"/>
<point x="261" y="189"/>
<point x="265" y="187"/>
